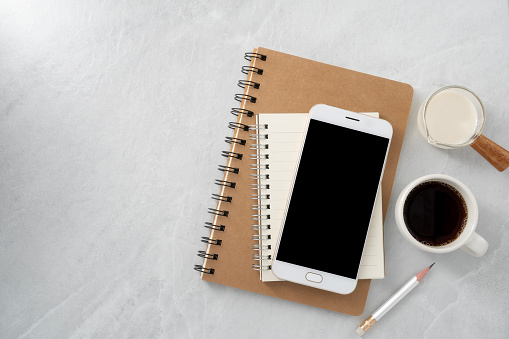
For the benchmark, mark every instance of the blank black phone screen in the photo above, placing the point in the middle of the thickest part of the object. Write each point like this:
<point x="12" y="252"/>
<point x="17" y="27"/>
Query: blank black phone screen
<point x="333" y="198"/>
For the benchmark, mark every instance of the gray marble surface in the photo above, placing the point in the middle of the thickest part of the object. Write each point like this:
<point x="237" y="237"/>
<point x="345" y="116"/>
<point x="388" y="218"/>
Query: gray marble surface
<point x="112" y="118"/>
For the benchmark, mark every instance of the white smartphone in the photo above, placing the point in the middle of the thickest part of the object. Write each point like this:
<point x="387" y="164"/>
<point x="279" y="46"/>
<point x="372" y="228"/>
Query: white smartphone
<point x="334" y="191"/>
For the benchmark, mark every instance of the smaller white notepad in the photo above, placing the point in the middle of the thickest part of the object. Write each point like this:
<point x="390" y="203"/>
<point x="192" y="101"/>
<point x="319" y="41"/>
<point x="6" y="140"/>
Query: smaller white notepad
<point x="283" y="135"/>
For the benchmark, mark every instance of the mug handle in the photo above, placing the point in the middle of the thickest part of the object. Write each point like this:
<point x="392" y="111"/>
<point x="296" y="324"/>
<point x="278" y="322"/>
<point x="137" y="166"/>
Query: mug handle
<point x="476" y="245"/>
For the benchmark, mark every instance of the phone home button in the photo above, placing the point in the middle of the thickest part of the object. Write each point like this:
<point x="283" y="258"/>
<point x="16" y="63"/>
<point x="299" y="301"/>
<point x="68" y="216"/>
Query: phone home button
<point x="313" y="277"/>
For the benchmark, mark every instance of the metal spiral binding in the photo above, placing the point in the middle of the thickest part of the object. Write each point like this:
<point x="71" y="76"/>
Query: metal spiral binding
<point x="227" y="184"/>
<point x="257" y="127"/>
<point x="247" y="69"/>
<point x="261" y="236"/>
<point x="260" y="227"/>
<point x="250" y="56"/>
<point x="242" y="97"/>
<point x="221" y="198"/>
<point x="237" y="111"/>
<point x="211" y="241"/>
<point x="231" y="140"/>
<point x="258" y="156"/>
<point x="260" y="186"/>
<point x="262" y="256"/>
<point x="258" y="267"/>
<point x="259" y="176"/>
<point x="260" y="216"/>
<point x="258" y="247"/>
<point x="244" y="83"/>
<point x="218" y="212"/>
<point x="260" y="207"/>
<point x="232" y="155"/>
<point x="202" y="269"/>
<point x="258" y="136"/>
<point x="210" y="256"/>
<point x="212" y="226"/>
<point x="260" y="196"/>
<point x="259" y="148"/>
<point x="234" y="125"/>
<point x="259" y="166"/>
<point x="228" y="169"/>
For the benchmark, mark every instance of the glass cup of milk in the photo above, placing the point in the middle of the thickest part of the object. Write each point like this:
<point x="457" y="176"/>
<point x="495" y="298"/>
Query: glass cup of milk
<point x="454" y="117"/>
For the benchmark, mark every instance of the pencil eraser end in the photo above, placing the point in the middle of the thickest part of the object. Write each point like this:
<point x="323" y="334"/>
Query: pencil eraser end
<point x="359" y="331"/>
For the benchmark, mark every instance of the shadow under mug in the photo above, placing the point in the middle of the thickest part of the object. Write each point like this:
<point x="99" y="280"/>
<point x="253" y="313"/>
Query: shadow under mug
<point x="468" y="240"/>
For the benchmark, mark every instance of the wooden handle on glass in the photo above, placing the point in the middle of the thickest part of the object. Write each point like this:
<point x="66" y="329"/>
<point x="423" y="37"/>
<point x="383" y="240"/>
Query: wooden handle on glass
<point x="495" y="154"/>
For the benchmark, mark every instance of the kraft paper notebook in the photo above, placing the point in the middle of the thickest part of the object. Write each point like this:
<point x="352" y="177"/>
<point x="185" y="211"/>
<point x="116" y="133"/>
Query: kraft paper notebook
<point x="281" y="83"/>
<point x="276" y="146"/>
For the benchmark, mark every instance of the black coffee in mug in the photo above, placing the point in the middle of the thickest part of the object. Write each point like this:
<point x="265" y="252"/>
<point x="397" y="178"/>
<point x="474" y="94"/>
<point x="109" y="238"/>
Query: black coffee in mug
<point x="435" y="213"/>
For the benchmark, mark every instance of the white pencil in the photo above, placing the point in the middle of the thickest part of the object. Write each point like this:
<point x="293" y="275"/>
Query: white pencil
<point x="396" y="297"/>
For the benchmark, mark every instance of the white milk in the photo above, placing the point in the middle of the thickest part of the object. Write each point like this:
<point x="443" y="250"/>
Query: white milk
<point x="451" y="118"/>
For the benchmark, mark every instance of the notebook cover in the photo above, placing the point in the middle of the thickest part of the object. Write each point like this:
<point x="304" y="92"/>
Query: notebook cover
<point x="291" y="84"/>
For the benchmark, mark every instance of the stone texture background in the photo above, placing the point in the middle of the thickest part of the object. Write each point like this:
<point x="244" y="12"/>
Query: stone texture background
<point x="112" y="118"/>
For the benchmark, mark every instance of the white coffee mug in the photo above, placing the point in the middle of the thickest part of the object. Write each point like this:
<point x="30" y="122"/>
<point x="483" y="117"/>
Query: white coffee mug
<point x="468" y="240"/>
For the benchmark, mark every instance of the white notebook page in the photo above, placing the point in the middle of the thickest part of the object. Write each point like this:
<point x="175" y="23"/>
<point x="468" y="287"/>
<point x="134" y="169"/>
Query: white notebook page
<point x="285" y="133"/>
